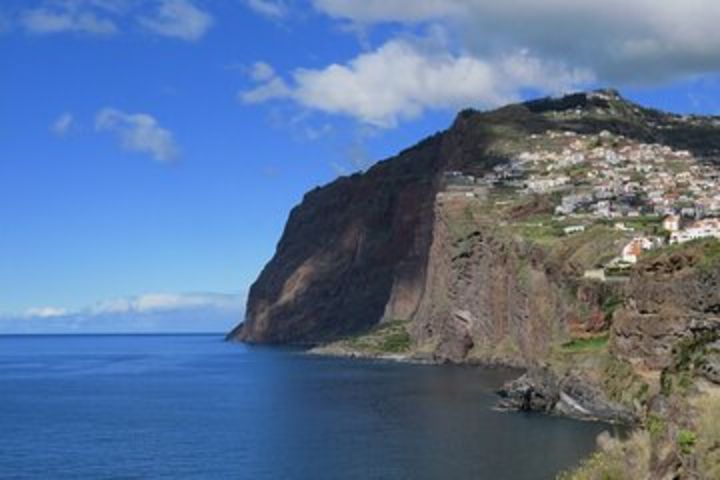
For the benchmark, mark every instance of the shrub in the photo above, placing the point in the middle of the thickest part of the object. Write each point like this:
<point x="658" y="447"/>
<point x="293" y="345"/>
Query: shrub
<point x="590" y="344"/>
<point x="627" y="460"/>
<point x="396" y="342"/>
<point x="686" y="441"/>
<point x="655" y="426"/>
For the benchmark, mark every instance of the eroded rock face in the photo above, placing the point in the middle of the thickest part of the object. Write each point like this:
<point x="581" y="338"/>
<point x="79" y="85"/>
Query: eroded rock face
<point x="666" y="301"/>
<point x="484" y="290"/>
<point x="352" y="253"/>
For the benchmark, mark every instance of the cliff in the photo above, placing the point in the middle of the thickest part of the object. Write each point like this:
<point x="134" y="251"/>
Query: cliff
<point x="505" y="240"/>
<point x="392" y="245"/>
<point x="353" y="253"/>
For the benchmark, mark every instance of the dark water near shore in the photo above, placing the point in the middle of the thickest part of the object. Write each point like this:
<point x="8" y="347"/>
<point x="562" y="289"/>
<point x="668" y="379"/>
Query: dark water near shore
<point x="173" y="407"/>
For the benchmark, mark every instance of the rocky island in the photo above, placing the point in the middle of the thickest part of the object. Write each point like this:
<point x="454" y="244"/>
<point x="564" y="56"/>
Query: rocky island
<point x="575" y="237"/>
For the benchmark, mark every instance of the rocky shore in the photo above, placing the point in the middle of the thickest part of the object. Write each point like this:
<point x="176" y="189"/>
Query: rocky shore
<point x="540" y="390"/>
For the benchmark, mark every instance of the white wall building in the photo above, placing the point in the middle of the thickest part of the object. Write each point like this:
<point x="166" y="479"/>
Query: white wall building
<point x="707" y="228"/>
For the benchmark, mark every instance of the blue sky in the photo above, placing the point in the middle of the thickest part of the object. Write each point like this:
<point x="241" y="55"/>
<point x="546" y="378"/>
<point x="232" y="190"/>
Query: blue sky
<point x="157" y="146"/>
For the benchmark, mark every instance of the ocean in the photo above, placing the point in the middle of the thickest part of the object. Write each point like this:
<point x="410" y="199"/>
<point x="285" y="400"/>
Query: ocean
<point x="194" y="406"/>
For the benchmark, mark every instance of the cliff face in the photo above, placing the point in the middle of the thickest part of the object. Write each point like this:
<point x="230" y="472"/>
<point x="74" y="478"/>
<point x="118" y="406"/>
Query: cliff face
<point x="670" y="299"/>
<point x="353" y="252"/>
<point x="490" y="296"/>
<point x="393" y="245"/>
<point x="402" y="261"/>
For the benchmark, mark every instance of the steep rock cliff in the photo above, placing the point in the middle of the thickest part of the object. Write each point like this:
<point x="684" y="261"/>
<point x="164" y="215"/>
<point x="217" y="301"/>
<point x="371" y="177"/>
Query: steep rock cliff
<point x="386" y="246"/>
<point x="353" y="252"/>
<point x="491" y="296"/>
<point x="668" y="298"/>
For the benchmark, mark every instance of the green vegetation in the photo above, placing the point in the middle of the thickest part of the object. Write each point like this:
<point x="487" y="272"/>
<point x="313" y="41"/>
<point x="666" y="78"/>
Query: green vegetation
<point x="649" y="224"/>
<point x="585" y="345"/>
<point x="610" y="304"/>
<point x="596" y="246"/>
<point x="628" y="460"/>
<point x="622" y="384"/>
<point x="707" y="445"/>
<point x="546" y="232"/>
<point x="655" y="426"/>
<point x="618" y="271"/>
<point x="396" y="342"/>
<point x="686" y="440"/>
<point x="690" y="353"/>
<point x="391" y="337"/>
<point x="711" y="254"/>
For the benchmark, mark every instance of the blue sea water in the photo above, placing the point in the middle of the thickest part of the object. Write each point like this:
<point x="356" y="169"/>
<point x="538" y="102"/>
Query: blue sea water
<point x="193" y="406"/>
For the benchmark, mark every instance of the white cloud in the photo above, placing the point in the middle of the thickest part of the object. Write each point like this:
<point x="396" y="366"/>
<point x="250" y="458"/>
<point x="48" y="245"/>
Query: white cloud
<point x="637" y="41"/>
<point x="161" y="302"/>
<point x="179" y="19"/>
<point x="173" y="18"/>
<point x="400" y="80"/>
<point x="268" y="90"/>
<point x="270" y="85"/>
<point x="138" y="132"/>
<point x="62" y="125"/>
<point x="192" y="312"/>
<point x="373" y="11"/>
<point x="269" y="8"/>
<point x="45" y="312"/>
<point x="262" y="72"/>
<point x="66" y="19"/>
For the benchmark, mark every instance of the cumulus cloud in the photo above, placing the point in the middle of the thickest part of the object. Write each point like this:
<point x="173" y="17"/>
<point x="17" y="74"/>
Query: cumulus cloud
<point x="66" y="18"/>
<point x="638" y="41"/>
<point x="400" y="80"/>
<point x="62" y="125"/>
<point x="138" y="132"/>
<point x="179" y="19"/>
<point x="269" y="8"/>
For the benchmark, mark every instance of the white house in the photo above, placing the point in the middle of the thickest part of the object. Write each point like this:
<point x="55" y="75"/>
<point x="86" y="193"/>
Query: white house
<point x="706" y="228"/>
<point x="671" y="223"/>
<point x="632" y="251"/>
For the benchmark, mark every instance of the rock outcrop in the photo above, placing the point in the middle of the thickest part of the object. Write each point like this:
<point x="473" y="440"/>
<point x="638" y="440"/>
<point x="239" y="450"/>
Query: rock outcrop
<point x="541" y="390"/>
<point x="669" y="299"/>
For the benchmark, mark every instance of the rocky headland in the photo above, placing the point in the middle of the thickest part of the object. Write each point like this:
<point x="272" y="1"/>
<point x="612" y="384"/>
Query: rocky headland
<point x="556" y="235"/>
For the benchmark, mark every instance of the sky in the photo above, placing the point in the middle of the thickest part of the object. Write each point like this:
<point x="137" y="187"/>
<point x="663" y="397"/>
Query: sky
<point x="152" y="149"/>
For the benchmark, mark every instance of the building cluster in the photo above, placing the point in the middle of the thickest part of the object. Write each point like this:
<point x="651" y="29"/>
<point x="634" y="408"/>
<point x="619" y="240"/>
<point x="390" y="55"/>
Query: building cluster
<point x="608" y="176"/>
<point x="678" y="230"/>
<point x="681" y="232"/>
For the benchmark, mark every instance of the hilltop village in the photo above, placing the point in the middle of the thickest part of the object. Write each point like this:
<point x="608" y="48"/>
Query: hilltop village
<point x="663" y="196"/>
